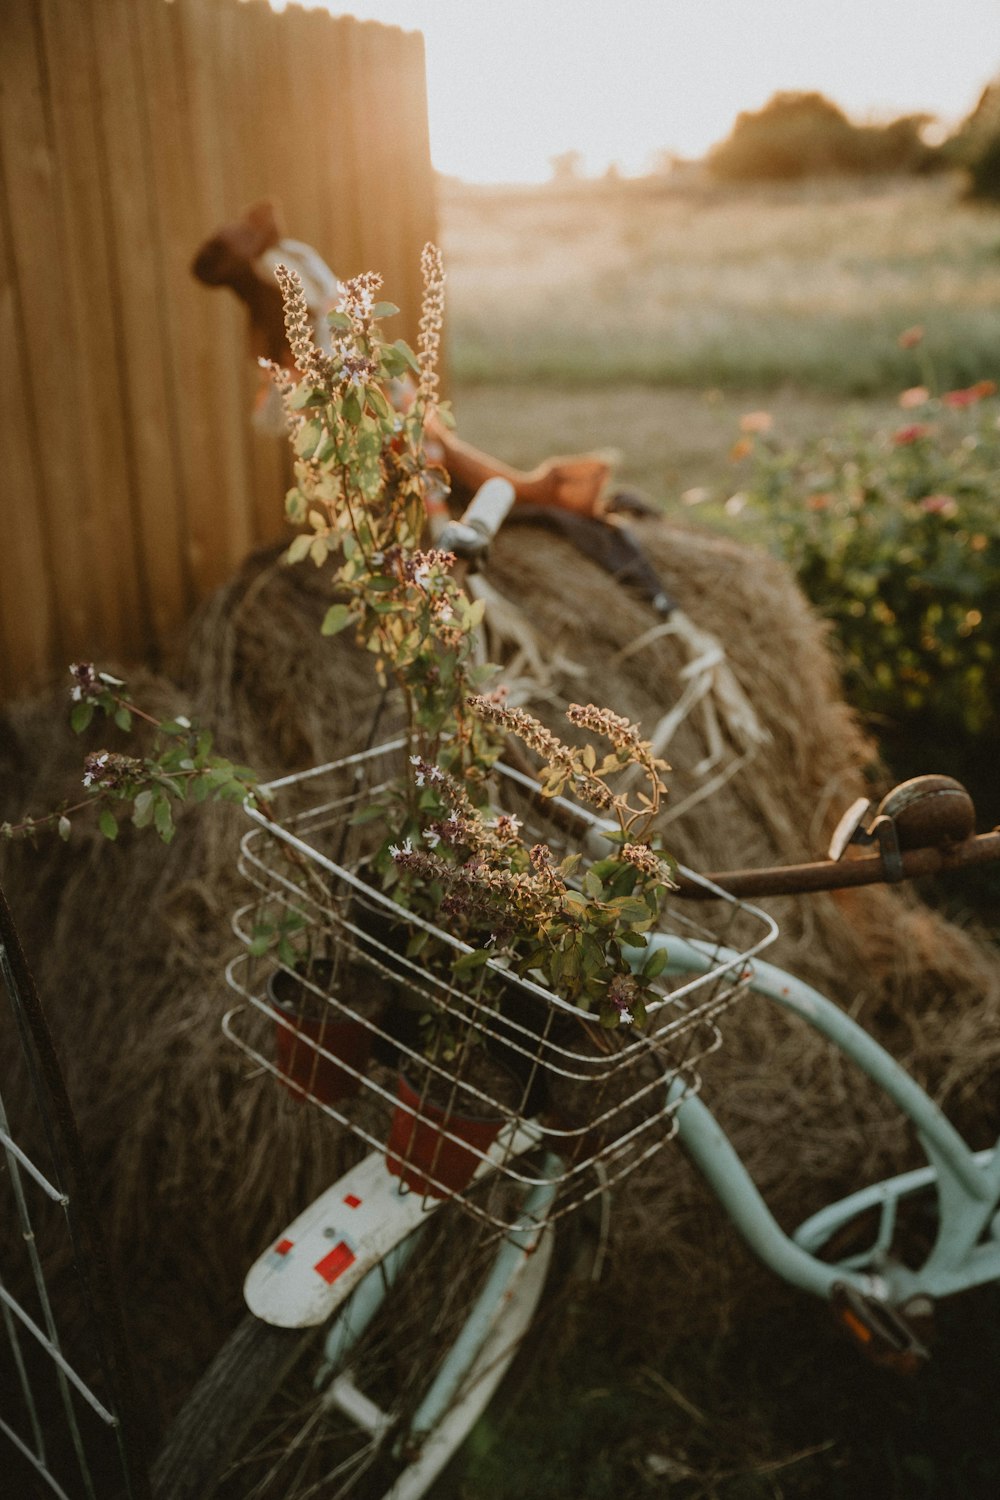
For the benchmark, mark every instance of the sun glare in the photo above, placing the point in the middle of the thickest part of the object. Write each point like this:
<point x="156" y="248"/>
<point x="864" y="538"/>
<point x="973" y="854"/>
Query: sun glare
<point x="515" y="83"/>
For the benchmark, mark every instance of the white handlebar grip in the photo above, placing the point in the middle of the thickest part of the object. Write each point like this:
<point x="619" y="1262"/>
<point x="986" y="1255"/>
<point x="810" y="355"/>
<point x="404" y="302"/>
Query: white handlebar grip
<point x="488" y="508"/>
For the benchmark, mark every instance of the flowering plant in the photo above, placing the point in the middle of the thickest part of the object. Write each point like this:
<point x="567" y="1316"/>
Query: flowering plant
<point x="361" y="421"/>
<point x="364" y="485"/>
<point x="179" y="764"/>
<point x="896" y="539"/>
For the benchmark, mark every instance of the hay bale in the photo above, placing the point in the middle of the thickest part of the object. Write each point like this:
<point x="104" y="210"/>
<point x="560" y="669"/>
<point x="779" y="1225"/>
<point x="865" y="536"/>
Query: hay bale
<point x="129" y="943"/>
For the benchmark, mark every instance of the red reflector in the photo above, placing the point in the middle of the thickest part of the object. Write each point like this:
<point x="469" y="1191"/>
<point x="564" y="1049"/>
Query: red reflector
<point x="352" y="1200"/>
<point x="336" y="1263"/>
<point x="283" y="1247"/>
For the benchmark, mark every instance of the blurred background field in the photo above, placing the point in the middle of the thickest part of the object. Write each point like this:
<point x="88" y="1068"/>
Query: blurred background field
<point x="721" y="286"/>
<point x="648" y="318"/>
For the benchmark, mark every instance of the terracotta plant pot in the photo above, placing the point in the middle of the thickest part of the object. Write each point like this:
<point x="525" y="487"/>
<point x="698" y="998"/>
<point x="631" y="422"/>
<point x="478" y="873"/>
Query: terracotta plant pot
<point x="418" y="1151"/>
<point x="309" y="1023"/>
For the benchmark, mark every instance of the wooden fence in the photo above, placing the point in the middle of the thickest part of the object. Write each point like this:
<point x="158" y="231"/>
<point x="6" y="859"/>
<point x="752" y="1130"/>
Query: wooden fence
<point x="131" y="481"/>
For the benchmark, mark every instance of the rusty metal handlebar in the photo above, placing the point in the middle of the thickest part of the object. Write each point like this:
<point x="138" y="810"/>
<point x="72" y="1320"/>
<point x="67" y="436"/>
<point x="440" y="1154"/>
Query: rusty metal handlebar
<point x="830" y="875"/>
<point x="924" y="826"/>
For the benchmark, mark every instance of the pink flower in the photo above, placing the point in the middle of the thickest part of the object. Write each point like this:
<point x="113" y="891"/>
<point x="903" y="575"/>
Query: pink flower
<point x="906" y="435"/>
<point x="917" y="395"/>
<point x="970" y="394"/>
<point x="756" y="421"/>
<point x="940" y="505"/>
<point x="911" y="337"/>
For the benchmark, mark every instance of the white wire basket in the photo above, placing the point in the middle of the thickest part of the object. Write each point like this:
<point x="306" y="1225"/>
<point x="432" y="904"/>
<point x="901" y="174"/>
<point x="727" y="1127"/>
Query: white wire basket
<point x="519" y="1087"/>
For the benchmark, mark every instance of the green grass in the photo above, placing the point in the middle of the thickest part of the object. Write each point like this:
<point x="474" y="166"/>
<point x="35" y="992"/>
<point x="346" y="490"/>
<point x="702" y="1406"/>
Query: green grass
<point x="779" y="1407"/>
<point x="805" y="285"/>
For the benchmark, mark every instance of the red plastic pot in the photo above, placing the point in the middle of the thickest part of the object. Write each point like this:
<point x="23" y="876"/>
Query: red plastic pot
<point x="426" y="1160"/>
<point x="307" y="1024"/>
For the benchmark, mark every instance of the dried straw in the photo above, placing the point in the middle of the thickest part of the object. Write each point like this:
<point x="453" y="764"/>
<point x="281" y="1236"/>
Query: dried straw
<point x="197" y="1163"/>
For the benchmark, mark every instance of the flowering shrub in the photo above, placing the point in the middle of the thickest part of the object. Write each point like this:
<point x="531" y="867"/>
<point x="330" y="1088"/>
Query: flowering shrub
<point x="359" y="418"/>
<point x="363" y="488"/>
<point x="896" y="539"/>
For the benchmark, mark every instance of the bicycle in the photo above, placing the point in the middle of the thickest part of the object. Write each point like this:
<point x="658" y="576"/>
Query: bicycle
<point x="384" y="1318"/>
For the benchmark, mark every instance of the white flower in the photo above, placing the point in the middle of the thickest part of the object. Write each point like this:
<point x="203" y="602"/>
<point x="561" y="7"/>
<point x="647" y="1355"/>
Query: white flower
<point x="432" y="838"/>
<point x="625" y="1017"/>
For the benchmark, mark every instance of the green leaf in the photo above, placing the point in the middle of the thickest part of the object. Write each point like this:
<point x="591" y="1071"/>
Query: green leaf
<point x="340" y="321"/>
<point x="163" y="818"/>
<point x="108" y="824"/>
<point x="655" y="963"/>
<point x="407" y="355"/>
<point x="64" y="827"/>
<point x="337" y="617"/>
<point x="384" y="309"/>
<point x="307" y="439"/>
<point x="469" y="962"/>
<point x="81" y="716"/>
<point x="142" y="813"/>
<point x="377" y="402"/>
<point x="295" y="507"/>
<point x="307" y="395"/>
<point x="299" y="547"/>
<point x="260" y="943"/>
<point x="123" y="719"/>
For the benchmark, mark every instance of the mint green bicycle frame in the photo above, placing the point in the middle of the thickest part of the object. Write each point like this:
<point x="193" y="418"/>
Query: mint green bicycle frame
<point x="967" y="1183"/>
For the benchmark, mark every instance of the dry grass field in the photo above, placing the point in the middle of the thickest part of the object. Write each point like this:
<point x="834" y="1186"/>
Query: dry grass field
<point x="646" y="318"/>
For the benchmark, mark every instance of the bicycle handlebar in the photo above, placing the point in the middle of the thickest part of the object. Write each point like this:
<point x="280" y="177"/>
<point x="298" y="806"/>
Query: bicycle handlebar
<point x="924" y="826"/>
<point x="830" y="875"/>
<point x="486" y="512"/>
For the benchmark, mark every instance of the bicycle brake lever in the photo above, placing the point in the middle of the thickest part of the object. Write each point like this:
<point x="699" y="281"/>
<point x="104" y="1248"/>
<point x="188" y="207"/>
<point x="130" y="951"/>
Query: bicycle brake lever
<point x="854" y="828"/>
<point x="851" y="829"/>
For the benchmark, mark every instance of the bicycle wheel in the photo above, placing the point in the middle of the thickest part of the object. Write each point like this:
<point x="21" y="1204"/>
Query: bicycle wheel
<point x="378" y="1401"/>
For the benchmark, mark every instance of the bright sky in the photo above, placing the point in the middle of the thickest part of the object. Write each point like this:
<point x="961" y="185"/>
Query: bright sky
<point x="511" y="83"/>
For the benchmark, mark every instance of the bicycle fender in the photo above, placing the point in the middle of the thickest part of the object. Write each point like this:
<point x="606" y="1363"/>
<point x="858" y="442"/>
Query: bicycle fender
<point x="316" y="1263"/>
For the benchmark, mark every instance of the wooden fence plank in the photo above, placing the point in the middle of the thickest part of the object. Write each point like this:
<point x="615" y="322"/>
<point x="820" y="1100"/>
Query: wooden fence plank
<point x="35" y="231"/>
<point x="105" y="526"/>
<point x="220" y="529"/>
<point x="29" y="639"/>
<point x="267" y="169"/>
<point x="139" y="300"/>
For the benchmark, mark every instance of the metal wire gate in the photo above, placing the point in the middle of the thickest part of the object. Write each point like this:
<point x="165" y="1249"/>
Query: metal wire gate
<point x="66" y="1406"/>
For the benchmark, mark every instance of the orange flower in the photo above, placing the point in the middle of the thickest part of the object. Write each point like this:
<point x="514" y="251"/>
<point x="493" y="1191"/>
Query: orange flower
<point x="911" y="337"/>
<point x="917" y="395"/>
<point x="741" y="449"/>
<point x="819" y="502"/>
<point x="756" y="421"/>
